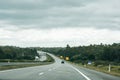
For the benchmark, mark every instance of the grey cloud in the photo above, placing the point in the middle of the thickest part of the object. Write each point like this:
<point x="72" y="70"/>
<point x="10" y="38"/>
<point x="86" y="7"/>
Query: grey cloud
<point x="39" y="4"/>
<point x="57" y="13"/>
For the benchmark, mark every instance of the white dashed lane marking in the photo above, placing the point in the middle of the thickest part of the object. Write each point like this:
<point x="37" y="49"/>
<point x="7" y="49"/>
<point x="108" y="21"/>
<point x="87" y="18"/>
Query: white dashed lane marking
<point x="41" y="73"/>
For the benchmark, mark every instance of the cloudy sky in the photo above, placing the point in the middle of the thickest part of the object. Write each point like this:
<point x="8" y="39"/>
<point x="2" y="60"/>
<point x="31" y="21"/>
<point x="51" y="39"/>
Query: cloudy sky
<point x="54" y="23"/>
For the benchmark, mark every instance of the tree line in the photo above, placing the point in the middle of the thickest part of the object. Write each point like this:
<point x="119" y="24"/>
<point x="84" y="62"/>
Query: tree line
<point x="17" y="53"/>
<point x="102" y="52"/>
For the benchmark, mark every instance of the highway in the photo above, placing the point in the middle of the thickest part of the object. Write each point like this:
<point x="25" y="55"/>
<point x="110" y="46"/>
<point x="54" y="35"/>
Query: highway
<point x="42" y="55"/>
<point x="42" y="58"/>
<point x="55" y="71"/>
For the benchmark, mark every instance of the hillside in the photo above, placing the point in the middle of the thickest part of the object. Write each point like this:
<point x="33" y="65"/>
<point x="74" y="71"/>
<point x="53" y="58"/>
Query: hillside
<point x="17" y="53"/>
<point x="102" y="52"/>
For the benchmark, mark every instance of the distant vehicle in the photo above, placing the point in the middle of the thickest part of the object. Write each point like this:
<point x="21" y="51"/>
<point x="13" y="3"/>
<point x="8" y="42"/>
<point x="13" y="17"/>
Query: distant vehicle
<point x="62" y="62"/>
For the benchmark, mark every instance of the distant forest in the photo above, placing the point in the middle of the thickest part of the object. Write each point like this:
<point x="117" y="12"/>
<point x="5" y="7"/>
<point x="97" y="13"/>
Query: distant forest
<point x="16" y="53"/>
<point x="102" y="52"/>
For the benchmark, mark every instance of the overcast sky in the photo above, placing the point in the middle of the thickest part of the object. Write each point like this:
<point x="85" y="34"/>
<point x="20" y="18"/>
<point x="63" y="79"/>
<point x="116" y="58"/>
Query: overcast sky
<point x="56" y="23"/>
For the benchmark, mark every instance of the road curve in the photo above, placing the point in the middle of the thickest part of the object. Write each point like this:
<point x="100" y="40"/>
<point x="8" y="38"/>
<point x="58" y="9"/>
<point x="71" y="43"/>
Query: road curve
<point x="55" y="71"/>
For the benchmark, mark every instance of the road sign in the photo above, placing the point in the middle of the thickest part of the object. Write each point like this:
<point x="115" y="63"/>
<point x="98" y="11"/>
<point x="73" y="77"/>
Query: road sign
<point x="67" y="58"/>
<point x="61" y="57"/>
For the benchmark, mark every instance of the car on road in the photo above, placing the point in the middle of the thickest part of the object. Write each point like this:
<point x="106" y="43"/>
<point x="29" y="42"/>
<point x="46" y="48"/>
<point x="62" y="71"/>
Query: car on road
<point x="62" y="62"/>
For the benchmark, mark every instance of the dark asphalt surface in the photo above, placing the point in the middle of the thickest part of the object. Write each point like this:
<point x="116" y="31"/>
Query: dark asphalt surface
<point x="55" y="71"/>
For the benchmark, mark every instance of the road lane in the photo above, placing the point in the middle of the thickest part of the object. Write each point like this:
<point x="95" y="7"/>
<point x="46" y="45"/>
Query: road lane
<point x="55" y="71"/>
<point x="87" y="78"/>
<point x="42" y="55"/>
<point x="95" y="75"/>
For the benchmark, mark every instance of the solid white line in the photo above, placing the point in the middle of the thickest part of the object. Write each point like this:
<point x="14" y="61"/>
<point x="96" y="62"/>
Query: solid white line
<point x="87" y="78"/>
<point x="41" y="73"/>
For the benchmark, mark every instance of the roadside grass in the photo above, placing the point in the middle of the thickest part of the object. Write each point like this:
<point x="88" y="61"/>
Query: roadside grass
<point x="6" y="67"/>
<point x="49" y="60"/>
<point x="115" y="70"/>
<point x="13" y="60"/>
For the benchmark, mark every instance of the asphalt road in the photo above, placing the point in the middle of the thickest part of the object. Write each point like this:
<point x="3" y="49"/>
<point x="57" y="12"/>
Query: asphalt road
<point x="42" y="55"/>
<point x="55" y="71"/>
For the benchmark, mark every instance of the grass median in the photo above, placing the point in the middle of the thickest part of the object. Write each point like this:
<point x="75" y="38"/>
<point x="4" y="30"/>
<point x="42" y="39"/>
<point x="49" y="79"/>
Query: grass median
<point x="49" y="60"/>
<point x="6" y="67"/>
